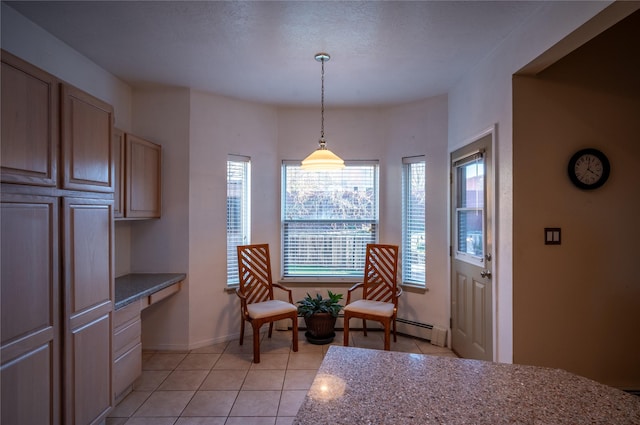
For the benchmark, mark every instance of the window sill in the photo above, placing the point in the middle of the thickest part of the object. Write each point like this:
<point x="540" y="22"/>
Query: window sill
<point x="413" y="288"/>
<point x="315" y="281"/>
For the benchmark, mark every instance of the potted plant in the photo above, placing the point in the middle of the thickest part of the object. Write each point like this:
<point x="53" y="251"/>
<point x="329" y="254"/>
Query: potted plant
<point x="320" y="315"/>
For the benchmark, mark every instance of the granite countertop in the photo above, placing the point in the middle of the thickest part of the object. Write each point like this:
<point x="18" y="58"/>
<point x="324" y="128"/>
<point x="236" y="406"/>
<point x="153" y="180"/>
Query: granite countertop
<point x="134" y="286"/>
<point x="362" y="386"/>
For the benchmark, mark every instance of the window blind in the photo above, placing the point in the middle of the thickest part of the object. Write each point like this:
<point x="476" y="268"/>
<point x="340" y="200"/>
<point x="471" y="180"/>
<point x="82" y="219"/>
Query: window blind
<point x="328" y="218"/>
<point x="238" y="211"/>
<point x="413" y="220"/>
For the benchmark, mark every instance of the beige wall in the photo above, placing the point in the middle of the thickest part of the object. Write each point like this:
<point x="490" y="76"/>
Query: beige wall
<point x="483" y="99"/>
<point x="576" y="305"/>
<point x="162" y="246"/>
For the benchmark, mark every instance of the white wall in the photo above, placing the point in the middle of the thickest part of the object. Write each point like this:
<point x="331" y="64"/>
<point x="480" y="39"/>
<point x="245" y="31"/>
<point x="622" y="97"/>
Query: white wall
<point x="483" y="99"/>
<point x="221" y="126"/>
<point x="420" y="129"/>
<point x="387" y="135"/>
<point x="161" y="115"/>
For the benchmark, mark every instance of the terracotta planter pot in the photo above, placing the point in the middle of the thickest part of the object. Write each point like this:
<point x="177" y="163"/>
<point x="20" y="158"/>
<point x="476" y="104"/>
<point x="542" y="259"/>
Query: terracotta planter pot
<point x="320" y="328"/>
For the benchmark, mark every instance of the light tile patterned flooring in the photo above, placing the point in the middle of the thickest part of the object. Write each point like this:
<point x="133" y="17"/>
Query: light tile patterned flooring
<point x="220" y="385"/>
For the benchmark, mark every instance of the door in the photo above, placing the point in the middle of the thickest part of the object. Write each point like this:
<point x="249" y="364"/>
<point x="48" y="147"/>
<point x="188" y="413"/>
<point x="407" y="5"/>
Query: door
<point x="143" y="161"/>
<point x="88" y="309"/>
<point x="471" y="250"/>
<point x="30" y="347"/>
<point x="87" y="152"/>
<point x="29" y="122"/>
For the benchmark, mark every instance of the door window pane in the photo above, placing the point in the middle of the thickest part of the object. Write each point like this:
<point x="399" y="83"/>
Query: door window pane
<point x="470" y="206"/>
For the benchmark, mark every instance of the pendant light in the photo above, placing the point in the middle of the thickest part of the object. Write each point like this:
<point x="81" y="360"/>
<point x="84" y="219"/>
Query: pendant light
<point x="322" y="158"/>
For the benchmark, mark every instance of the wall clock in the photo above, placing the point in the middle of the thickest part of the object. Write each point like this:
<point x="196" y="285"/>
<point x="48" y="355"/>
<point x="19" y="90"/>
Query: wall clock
<point x="589" y="169"/>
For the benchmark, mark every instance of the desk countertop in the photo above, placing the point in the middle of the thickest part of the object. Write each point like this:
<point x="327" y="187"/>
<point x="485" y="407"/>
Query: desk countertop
<point x="361" y="386"/>
<point x="132" y="287"/>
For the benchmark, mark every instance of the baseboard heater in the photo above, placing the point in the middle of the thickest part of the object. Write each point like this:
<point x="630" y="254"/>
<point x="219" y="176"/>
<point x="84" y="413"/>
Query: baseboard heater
<point x="435" y="334"/>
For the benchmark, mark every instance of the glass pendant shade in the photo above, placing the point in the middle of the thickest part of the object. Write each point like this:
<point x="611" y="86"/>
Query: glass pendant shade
<point x="322" y="158"/>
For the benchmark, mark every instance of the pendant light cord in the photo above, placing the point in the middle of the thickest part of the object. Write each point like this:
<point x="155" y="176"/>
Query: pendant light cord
<point x="322" y="105"/>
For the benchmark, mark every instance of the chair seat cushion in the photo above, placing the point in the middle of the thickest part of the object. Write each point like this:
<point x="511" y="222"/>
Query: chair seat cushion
<point x="270" y="308"/>
<point x="377" y="308"/>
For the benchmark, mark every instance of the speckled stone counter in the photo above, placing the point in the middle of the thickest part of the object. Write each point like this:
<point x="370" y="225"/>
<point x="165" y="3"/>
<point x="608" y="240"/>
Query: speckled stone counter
<point x="356" y="386"/>
<point x="132" y="287"/>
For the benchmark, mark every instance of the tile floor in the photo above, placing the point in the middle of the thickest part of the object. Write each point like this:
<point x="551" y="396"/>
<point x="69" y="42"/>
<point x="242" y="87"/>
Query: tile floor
<point x="220" y="385"/>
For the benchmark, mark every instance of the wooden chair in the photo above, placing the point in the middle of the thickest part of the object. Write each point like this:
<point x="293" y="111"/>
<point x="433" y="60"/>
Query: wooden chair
<point x="257" y="303"/>
<point x="380" y="292"/>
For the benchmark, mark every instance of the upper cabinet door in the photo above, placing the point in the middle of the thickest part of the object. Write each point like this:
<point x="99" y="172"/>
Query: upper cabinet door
<point x="87" y="152"/>
<point x="143" y="175"/>
<point x="29" y="123"/>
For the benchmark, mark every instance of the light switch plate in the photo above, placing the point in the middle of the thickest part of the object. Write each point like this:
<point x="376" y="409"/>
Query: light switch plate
<point x="552" y="236"/>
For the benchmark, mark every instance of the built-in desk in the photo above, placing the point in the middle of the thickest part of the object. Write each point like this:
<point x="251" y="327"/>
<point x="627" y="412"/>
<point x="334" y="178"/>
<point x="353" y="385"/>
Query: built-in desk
<point x="152" y="286"/>
<point x="134" y="293"/>
<point x="361" y="386"/>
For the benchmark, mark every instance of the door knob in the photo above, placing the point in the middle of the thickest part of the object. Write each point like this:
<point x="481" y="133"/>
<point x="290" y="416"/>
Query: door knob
<point x="486" y="273"/>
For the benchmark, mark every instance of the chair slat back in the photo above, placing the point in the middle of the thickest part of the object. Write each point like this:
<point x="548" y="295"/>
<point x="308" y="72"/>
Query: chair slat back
<point x="254" y="271"/>
<point x="380" y="273"/>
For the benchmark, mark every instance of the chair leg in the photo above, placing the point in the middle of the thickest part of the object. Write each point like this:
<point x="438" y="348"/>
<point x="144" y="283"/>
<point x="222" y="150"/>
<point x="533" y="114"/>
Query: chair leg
<point x="256" y="342"/>
<point x="395" y="337"/>
<point x="295" y="332"/>
<point x="241" y="330"/>
<point x="270" y="329"/>
<point x="364" y="327"/>
<point x="345" y="341"/>
<point x="387" y="335"/>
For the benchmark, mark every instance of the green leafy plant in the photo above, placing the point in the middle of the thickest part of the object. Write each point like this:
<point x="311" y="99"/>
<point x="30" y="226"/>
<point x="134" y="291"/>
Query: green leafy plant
<point x="311" y="305"/>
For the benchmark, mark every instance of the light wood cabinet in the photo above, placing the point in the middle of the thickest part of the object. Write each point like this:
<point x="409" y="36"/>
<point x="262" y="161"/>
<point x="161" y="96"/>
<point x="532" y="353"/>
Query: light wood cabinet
<point x="139" y="190"/>
<point x="127" y="338"/>
<point x="89" y="292"/>
<point x="30" y="346"/>
<point x="29" y="144"/>
<point x="127" y="365"/>
<point x="57" y="285"/>
<point x="86" y="142"/>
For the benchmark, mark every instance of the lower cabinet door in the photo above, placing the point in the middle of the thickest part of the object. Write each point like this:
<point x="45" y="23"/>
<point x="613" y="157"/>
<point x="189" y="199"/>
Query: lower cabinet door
<point x="30" y="336"/>
<point x="126" y="369"/>
<point x="88" y="309"/>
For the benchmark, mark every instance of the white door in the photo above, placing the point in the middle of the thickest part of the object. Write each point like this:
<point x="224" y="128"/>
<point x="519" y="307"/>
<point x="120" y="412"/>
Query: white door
<point x="471" y="250"/>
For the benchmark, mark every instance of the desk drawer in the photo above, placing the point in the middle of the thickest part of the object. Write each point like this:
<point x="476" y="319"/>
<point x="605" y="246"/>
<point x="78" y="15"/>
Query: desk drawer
<point x="126" y="314"/>
<point x="164" y="293"/>
<point x="125" y="337"/>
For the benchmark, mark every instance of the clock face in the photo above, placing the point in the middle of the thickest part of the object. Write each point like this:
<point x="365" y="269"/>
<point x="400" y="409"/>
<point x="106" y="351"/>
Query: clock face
<point x="589" y="169"/>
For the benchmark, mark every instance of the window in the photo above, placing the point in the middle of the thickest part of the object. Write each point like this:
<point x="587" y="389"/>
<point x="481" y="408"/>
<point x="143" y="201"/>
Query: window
<point x="238" y="211"/>
<point x="470" y="214"/>
<point x="413" y="220"/>
<point x="328" y="218"/>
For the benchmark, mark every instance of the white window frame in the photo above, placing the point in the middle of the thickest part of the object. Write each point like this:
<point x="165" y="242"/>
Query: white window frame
<point x="331" y="264"/>
<point x="240" y="190"/>
<point x="414" y="247"/>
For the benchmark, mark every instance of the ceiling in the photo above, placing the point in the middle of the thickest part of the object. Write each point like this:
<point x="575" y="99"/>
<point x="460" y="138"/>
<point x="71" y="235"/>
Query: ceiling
<point x="382" y="52"/>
